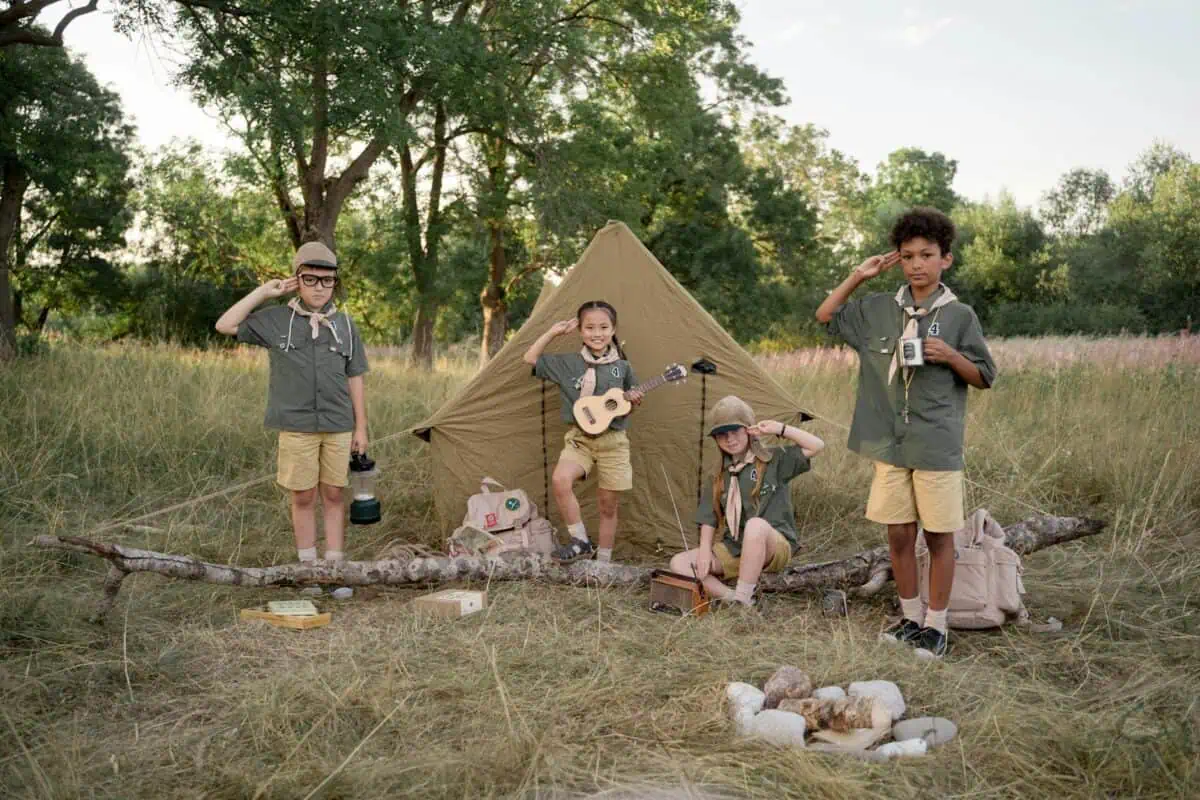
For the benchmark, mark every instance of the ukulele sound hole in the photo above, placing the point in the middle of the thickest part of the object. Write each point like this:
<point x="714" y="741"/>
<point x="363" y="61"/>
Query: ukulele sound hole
<point x="611" y="405"/>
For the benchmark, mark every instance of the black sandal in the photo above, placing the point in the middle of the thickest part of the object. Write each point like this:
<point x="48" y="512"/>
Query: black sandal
<point x="573" y="550"/>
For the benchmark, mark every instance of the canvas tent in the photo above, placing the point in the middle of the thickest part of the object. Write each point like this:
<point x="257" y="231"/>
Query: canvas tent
<point x="494" y="425"/>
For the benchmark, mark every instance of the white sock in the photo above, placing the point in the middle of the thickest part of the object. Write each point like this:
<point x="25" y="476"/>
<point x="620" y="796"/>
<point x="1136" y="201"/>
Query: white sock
<point x="307" y="553"/>
<point x="604" y="554"/>
<point x="745" y="592"/>
<point x="912" y="608"/>
<point x="578" y="531"/>
<point x="936" y="620"/>
<point x="334" y="555"/>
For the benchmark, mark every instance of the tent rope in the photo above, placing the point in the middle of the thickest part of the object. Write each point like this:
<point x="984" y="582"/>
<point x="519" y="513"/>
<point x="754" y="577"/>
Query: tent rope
<point x="545" y="458"/>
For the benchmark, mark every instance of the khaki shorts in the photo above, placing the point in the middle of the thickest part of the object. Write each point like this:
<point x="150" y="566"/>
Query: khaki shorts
<point x="306" y="459"/>
<point x="608" y="453"/>
<point x="900" y="495"/>
<point x="778" y="544"/>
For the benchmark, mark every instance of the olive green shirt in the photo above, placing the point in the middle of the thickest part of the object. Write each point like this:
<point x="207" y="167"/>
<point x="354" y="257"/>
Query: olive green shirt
<point x="567" y="370"/>
<point x="932" y="439"/>
<point x="774" y="498"/>
<point x="309" y="390"/>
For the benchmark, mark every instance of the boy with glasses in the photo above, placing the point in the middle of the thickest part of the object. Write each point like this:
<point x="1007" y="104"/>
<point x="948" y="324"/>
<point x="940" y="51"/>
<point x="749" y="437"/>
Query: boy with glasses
<point x="315" y="398"/>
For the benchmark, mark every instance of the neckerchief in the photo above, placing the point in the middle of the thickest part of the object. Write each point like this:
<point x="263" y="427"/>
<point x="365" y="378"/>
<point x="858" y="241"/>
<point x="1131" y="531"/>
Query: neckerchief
<point x="316" y="318"/>
<point x="913" y="314"/>
<point x="733" y="498"/>
<point x="587" y="386"/>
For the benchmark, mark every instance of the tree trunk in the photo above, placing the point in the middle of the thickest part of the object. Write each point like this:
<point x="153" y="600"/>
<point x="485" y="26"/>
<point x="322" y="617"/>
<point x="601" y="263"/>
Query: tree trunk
<point x="495" y="307"/>
<point x="13" y="184"/>
<point x="422" y="337"/>
<point x="861" y="570"/>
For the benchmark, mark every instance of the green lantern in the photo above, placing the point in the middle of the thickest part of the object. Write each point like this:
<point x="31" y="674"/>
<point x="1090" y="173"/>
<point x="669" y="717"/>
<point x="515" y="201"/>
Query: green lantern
<point x="364" y="508"/>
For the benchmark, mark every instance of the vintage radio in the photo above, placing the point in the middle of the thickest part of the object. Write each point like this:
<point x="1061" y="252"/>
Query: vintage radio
<point x="673" y="593"/>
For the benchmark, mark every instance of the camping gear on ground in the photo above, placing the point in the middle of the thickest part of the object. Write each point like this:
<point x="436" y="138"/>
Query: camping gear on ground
<point x="294" y="614"/>
<point x="452" y="602"/>
<point x="497" y="418"/>
<point x="595" y="413"/>
<point x="364" y="507"/>
<point x="987" y="576"/>
<point x="673" y="593"/>
<point x="501" y="522"/>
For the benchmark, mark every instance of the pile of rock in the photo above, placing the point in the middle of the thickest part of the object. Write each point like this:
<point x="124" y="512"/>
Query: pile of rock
<point x="855" y="721"/>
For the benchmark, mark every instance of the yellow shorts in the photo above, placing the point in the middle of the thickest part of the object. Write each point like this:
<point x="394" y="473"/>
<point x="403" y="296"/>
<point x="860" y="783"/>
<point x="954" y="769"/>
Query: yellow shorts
<point x="900" y="495"/>
<point x="778" y="544"/>
<point x="608" y="453"/>
<point x="306" y="459"/>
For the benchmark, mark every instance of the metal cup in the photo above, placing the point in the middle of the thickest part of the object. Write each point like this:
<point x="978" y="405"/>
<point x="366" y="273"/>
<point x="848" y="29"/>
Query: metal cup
<point x="912" y="352"/>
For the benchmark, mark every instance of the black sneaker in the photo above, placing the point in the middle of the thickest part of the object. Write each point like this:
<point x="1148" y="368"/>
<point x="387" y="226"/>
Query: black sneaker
<point x="573" y="550"/>
<point x="903" y="632"/>
<point x="931" y="644"/>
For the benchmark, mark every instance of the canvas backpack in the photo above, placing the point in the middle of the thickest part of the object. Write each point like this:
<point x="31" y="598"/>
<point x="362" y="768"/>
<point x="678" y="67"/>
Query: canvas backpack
<point x="500" y="522"/>
<point x="987" y="576"/>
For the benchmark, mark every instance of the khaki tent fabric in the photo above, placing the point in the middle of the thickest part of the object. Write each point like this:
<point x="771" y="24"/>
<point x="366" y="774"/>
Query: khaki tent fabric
<point x="494" y="425"/>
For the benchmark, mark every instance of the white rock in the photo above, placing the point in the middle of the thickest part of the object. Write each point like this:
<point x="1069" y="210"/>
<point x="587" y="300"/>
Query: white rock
<point x="905" y="749"/>
<point x="743" y="702"/>
<point x="935" y="731"/>
<point x="884" y="691"/>
<point x="777" y="727"/>
<point x="829" y="693"/>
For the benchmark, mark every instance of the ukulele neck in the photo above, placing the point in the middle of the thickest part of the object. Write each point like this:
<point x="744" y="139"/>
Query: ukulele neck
<point x="653" y="383"/>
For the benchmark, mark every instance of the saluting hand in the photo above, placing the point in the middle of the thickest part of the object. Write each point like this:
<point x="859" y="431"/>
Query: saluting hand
<point x="280" y="286"/>
<point x="877" y="264"/>
<point x="765" y="427"/>
<point x="565" y="326"/>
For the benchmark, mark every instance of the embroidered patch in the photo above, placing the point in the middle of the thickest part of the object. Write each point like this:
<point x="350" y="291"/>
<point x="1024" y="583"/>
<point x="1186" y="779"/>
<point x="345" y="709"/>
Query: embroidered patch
<point x="616" y="372"/>
<point x="490" y="521"/>
<point x="754" y="474"/>
<point x="512" y="504"/>
<point x="935" y="329"/>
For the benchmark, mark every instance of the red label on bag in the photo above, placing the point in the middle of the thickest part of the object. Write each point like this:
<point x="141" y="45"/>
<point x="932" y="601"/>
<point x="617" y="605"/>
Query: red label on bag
<point x="491" y="521"/>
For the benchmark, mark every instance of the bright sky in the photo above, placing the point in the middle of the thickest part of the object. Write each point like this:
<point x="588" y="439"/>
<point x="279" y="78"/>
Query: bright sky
<point x="1018" y="91"/>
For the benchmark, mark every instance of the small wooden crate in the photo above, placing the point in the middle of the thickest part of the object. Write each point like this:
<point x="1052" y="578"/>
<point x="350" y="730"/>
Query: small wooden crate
<point x="452" y="602"/>
<point x="286" y="620"/>
<point x="673" y="593"/>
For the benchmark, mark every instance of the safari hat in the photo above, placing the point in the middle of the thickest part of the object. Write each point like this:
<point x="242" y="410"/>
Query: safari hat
<point x="314" y="254"/>
<point x="731" y="413"/>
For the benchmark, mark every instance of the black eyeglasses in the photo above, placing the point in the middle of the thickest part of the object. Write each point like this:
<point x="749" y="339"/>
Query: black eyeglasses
<point x="328" y="281"/>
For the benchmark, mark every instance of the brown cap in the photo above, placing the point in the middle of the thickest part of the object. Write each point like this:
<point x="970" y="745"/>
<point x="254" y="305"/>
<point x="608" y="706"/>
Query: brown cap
<point x="731" y="413"/>
<point x="314" y="254"/>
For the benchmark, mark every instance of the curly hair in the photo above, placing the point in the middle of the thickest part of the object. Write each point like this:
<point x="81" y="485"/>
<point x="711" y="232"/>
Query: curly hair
<point x="928" y="223"/>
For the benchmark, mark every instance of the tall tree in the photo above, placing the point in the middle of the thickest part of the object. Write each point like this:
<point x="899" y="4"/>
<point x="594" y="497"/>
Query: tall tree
<point x="1003" y="256"/>
<point x="1078" y="203"/>
<point x="1156" y="160"/>
<point x="62" y="136"/>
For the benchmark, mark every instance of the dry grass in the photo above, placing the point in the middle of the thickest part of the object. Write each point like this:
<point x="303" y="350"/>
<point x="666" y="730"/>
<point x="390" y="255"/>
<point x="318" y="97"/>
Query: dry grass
<point x="565" y="693"/>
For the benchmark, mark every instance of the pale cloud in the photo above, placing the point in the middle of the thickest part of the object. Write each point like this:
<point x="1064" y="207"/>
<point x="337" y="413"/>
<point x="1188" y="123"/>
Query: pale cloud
<point x="791" y="32"/>
<point x="918" y="34"/>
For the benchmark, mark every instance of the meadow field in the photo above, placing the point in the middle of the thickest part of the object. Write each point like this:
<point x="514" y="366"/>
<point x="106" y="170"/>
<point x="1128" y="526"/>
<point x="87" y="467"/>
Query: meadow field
<point x="559" y="692"/>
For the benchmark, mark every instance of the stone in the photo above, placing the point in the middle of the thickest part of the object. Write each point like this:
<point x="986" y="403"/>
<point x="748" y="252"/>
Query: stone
<point x="857" y="739"/>
<point x="844" y="714"/>
<point x="743" y="701"/>
<point x="829" y="693"/>
<point x="777" y="727"/>
<point x="905" y="749"/>
<point x="935" y="731"/>
<point x="788" y="683"/>
<point x="865" y="755"/>
<point x="884" y="691"/>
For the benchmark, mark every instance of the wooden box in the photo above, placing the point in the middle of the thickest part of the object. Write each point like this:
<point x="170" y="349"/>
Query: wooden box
<point x="673" y="593"/>
<point x="300" y="623"/>
<point x="452" y="602"/>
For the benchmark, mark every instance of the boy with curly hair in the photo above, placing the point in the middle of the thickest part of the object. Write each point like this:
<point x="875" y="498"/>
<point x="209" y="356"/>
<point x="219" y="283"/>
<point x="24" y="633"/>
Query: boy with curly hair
<point x="910" y="421"/>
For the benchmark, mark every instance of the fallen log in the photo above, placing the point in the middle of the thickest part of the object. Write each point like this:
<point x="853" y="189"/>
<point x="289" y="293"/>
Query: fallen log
<point x="868" y="570"/>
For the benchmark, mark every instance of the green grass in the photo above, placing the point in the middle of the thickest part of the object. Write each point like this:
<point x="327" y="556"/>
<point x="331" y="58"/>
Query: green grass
<point x="557" y="692"/>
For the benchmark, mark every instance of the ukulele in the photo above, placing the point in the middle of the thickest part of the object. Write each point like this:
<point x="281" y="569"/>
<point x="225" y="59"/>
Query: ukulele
<point x="593" y="414"/>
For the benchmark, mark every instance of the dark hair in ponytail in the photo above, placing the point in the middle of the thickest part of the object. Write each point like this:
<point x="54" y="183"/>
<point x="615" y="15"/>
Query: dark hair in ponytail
<point x="600" y="305"/>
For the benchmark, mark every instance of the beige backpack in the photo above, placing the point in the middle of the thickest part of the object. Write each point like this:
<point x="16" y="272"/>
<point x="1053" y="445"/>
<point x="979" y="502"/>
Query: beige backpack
<point x="500" y="522"/>
<point x="987" y="576"/>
